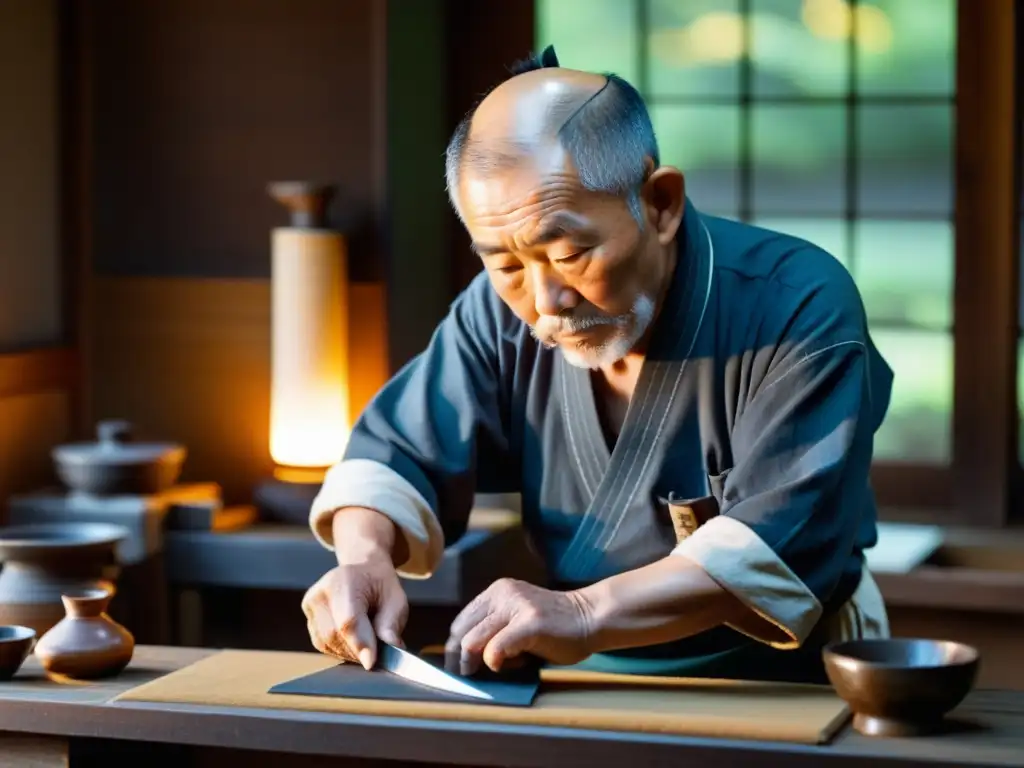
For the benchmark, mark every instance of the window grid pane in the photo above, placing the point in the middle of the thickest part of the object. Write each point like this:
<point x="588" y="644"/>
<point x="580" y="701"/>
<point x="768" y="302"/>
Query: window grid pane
<point x="598" y="35"/>
<point x="918" y="427"/>
<point x="904" y="46"/>
<point x="694" y="48"/>
<point x="905" y="272"/>
<point x="904" y="158"/>
<point x="867" y="90"/>
<point x="798" y="158"/>
<point x="793" y="51"/>
<point x="704" y="142"/>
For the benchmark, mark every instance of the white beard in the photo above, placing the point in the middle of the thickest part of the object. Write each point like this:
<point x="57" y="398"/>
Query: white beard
<point x="629" y="329"/>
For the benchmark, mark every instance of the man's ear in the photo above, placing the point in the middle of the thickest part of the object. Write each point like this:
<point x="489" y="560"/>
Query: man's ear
<point x="664" y="198"/>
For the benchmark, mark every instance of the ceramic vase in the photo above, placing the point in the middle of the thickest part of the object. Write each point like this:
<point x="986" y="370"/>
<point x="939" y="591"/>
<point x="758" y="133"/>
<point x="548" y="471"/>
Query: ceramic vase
<point x="86" y="644"/>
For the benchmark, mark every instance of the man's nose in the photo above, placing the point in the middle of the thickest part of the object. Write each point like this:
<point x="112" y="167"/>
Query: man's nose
<point x="551" y="295"/>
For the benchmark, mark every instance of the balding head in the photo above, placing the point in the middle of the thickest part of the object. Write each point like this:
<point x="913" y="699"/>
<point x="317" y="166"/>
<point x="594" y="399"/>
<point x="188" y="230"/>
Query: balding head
<point x="531" y="108"/>
<point x="600" y="121"/>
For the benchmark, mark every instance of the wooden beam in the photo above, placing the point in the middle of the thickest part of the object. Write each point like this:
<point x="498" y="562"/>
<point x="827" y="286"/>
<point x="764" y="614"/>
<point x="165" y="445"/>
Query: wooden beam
<point x="39" y="370"/>
<point x="75" y="136"/>
<point x="985" y="463"/>
<point x="419" y="262"/>
<point x="486" y="38"/>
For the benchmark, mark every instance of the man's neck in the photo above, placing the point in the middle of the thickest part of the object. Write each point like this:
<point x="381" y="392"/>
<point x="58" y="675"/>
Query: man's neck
<point x="613" y="389"/>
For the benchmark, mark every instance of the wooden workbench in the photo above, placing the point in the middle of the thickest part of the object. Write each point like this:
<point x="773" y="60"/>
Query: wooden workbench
<point x="46" y="724"/>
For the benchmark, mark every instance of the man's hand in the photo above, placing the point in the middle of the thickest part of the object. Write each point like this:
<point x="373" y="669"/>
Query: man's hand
<point x="669" y="599"/>
<point x="361" y="599"/>
<point x="512" y="618"/>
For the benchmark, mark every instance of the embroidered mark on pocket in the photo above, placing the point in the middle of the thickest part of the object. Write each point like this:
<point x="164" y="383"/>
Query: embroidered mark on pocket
<point x="688" y="515"/>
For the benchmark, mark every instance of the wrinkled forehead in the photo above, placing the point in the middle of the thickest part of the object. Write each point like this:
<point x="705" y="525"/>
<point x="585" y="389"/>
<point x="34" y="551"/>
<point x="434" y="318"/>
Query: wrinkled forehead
<point x="519" y="185"/>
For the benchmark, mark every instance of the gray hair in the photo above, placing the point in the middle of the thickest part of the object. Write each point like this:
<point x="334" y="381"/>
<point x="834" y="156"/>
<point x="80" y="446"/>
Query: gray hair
<point x="609" y="138"/>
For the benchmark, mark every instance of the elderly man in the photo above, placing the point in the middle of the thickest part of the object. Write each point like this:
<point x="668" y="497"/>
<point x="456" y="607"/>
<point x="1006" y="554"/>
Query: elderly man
<point x="686" y="404"/>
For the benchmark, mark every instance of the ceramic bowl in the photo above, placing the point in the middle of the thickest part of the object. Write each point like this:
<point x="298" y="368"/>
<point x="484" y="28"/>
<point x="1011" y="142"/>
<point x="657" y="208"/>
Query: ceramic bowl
<point x="15" y="645"/>
<point x="116" y="464"/>
<point x="901" y="686"/>
<point x="59" y="543"/>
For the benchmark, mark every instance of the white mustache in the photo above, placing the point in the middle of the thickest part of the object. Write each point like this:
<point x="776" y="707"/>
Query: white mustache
<point x="571" y="325"/>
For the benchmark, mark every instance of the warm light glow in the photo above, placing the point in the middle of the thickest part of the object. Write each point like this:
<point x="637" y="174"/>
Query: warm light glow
<point x="713" y="38"/>
<point x="874" y="30"/>
<point x="828" y="19"/>
<point x="309" y="413"/>
<point x="300" y="474"/>
<point x="837" y="20"/>
<point x="716" y="37"/>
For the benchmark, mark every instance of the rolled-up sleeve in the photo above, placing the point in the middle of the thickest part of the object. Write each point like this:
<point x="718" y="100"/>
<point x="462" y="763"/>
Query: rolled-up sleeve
<point x="432" y="438"/>
<point x="793" y="501"/>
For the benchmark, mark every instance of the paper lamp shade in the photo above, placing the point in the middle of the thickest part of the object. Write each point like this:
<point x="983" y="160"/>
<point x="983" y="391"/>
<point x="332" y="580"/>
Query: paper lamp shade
<point x="309" y="408"/>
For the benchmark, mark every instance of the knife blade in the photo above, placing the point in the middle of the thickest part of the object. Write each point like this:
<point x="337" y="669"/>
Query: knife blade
<point x="410" y="666"/>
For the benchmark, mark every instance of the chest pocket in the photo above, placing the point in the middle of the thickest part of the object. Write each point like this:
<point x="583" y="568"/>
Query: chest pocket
<point x="687" y="515"/>
<point x="717" y="485"/>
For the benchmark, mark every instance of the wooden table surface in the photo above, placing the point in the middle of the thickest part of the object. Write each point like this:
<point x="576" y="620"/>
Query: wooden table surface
<point x="33" y="705"/>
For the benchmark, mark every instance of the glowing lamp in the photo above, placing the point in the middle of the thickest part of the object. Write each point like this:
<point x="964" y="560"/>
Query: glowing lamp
<point x="309" y="407"/>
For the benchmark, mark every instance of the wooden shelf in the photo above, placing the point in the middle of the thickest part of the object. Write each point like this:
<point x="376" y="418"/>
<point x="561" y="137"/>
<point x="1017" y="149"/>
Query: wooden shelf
<point x="268" y="556"/>
<point x="969" y="570"/>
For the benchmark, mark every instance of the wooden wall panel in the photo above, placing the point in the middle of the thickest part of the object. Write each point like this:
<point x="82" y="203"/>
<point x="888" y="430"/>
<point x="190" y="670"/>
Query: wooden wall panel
<point x="33" y="382"/>
<point x="41" y="370"/>
<point x="198" y="104"/>
<point x="189" y="360"/>
<point x="30" y="281"/>
<point x="30" y="425"/>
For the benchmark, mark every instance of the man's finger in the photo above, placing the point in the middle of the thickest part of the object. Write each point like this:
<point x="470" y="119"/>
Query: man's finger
<point x="470" y="616"/>
<point x="475" y="640"/>
<point x="353" y="628"/>
<point x="335" y="648"/>
<point x="510" y="641"/>
<point x="359" y="636"/>
<point x="391" y="616"/>
<point x="325" y="632"/>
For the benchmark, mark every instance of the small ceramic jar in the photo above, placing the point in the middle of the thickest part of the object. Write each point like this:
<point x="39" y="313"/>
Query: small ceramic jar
<point x="86" y="643"/>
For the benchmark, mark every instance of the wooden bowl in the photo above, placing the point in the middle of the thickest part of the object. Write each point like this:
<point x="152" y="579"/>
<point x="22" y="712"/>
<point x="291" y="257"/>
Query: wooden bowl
<point x="901" y="686"/>
<point x="15" y="645"/>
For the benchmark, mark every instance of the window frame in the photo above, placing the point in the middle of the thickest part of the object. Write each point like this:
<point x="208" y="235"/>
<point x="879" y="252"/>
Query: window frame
<point x="986" y="470"/>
